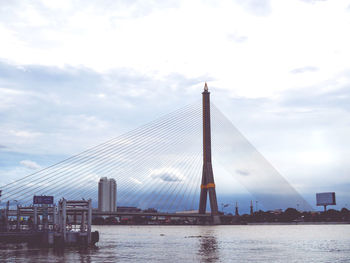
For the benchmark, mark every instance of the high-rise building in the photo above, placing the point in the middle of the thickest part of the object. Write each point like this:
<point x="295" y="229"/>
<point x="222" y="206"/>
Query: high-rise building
<point x="113" y="195"/>
<point x="107" y="195"/>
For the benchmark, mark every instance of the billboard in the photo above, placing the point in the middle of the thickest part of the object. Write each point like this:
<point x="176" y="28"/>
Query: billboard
<point x="42" y="200"/>
<point x="325" y="199"/>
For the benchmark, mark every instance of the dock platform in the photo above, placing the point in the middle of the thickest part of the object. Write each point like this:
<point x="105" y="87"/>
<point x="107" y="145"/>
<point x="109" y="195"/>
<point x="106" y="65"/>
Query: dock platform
<point x="67" y="224"/>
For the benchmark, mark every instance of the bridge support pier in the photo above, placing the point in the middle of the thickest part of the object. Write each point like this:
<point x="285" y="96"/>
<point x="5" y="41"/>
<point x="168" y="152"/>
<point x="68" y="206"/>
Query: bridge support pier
<point x="208" y="185"/>
<point x="216" y="220"/>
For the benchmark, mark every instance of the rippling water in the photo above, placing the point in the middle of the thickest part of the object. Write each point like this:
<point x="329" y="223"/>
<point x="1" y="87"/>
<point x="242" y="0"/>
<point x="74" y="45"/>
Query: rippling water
<point x="252" y="243"/>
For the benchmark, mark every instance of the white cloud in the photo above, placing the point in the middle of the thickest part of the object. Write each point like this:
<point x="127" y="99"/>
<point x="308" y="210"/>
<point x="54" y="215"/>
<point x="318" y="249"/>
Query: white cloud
<point x="136" y="181"/>
<point x="25" y="134"/>
<point x="167" y="174"/>
<point x="30" y="164"/>
<point x="256" y="7"/>
<point x="158" y="43"/>
<point x="304" y="69"/>
<point x="237" y="38"/>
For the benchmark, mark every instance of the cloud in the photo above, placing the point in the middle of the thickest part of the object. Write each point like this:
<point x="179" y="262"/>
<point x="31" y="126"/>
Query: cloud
<point x="25" y="134"/>
<point x="61" y="110"/>
<point x="329" y="96"/>
<point x="2" y="146"/>
<point x="237" y="38"/>
<point x="167" y="175"/>
<point x="136" y="181"/>
<point x="30" y="164"/>
<point x="256" y="7"/>
<point x="304" y="69"/>
<point x="313" y="1"/>
<point x="243" y="173"/>
<point x="302" y="132"/>
<point x="59" y="13"/>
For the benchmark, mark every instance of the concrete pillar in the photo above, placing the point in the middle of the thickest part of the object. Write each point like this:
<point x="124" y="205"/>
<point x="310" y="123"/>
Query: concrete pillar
<point x="89" y="221"/>
<point x="208" y="184"/>
<point x="54" y="216"/>
<point x="35" y="219"/>
<point x="18" y="218"/>
<point x="45" y="217"/>
<point x="6" y="220"/>
<point x="64" y="216"/>
<point x="216" y="220"/>
<point x="82" y="223"/>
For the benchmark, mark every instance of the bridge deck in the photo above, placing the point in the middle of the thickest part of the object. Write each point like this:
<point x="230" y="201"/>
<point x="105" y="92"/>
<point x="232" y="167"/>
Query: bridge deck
<point x="95" y="213"/>
<point x="115" y="214"/>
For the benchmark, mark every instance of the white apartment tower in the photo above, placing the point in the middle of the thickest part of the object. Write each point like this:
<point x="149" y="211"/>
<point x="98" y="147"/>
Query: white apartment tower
<point x="107" y="195"/>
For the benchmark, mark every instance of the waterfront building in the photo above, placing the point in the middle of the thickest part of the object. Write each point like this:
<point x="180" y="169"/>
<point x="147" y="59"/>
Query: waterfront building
<point x="107" y="195"/>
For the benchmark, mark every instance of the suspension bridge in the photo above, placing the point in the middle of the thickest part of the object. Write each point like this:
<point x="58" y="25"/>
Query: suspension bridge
<point x="165" y="164"/>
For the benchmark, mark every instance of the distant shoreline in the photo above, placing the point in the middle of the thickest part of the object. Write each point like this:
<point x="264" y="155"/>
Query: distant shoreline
<point x="262" y="223"/>
<point x="301" y="223"/>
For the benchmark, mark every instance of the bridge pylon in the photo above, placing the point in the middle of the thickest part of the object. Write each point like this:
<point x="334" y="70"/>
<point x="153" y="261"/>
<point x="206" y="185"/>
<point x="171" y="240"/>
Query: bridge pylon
<point x="208" y="184"/>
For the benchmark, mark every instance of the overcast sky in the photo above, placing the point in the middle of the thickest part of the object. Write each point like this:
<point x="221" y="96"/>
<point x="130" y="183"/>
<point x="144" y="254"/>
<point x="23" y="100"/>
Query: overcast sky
<point x="76" y="73"/>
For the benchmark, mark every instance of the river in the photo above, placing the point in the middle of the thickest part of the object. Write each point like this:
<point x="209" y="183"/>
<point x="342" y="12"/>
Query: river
<point x="249" y="243"/>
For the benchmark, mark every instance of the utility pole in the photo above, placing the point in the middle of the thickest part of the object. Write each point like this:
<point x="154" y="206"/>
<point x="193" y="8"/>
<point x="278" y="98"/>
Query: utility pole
<point x="236" y="209"/>
<point x="251" y="208"/>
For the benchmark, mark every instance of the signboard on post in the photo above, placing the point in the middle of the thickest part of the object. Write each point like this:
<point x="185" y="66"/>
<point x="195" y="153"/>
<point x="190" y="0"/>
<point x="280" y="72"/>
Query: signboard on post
<point x="42" y="200"/>
<point x="323" y="199"/>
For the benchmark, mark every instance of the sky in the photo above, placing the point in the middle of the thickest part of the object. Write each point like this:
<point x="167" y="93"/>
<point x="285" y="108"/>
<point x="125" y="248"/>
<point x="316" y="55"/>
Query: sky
<point x="74" y="74"/>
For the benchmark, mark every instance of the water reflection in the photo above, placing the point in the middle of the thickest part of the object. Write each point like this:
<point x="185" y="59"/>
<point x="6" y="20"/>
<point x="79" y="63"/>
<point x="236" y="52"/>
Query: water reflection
<point x="82" y="255"/>
<point x="208" y="248"/>
<point x="21" y="253"/>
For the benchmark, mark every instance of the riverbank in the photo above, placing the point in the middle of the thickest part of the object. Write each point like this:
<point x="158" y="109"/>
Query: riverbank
<point x="300" y="223"/>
